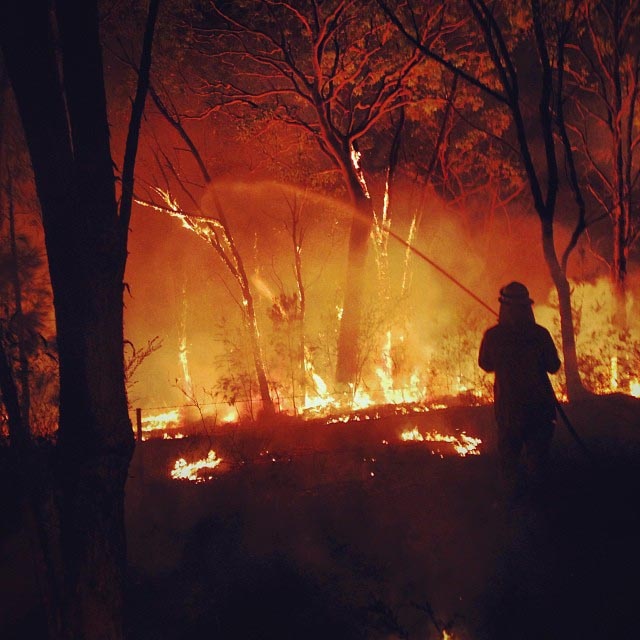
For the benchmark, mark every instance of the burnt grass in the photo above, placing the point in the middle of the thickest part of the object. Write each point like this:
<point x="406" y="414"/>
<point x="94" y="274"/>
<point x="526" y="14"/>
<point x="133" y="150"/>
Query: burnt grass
<point x="343" y="531"/>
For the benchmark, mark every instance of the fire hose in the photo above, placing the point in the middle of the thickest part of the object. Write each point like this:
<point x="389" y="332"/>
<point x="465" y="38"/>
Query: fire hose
<point x="455" y="281"/>
<point x="565" y="419"/>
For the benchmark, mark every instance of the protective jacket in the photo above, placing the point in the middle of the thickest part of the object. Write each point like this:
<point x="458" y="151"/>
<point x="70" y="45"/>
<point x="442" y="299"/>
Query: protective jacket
<point x="521" y="356"/>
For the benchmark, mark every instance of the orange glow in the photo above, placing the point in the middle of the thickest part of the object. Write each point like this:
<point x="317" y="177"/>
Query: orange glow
<point x="322" y="399"/>
<point x="160" y="421"/>
<point x="172" y="436"/>
<point x="183" y="354"/>
<point x="230" y="416"/>
<point x="463" y="445"/>
<point x="197" y="471"/>
<point x="613" y="383"/>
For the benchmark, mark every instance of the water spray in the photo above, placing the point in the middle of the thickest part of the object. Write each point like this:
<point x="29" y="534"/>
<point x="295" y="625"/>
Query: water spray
<point x="438" y="268"/>
<point x="441" y="270"/>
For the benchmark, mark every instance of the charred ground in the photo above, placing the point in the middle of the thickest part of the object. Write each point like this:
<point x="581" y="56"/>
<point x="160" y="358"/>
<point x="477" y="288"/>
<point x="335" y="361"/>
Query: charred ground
<point x="296" y="538"/>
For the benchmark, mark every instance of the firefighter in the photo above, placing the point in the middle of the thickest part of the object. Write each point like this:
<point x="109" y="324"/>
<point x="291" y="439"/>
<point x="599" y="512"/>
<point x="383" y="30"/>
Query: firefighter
<point x="521" y="354"/>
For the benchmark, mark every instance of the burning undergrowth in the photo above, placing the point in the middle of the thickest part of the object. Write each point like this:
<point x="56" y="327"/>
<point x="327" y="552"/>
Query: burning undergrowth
<point x="241" y="291"/>
<point x="281" y="511"/>
<point x="343" y="530"/>
<point x="358" y="445"/>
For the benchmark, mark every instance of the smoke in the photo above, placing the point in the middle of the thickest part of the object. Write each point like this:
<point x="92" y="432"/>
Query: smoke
<point x="434" y="324"/>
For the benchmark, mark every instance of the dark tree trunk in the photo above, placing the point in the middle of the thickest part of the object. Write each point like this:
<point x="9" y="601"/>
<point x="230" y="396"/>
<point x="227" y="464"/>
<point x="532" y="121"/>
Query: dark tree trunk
<point x="575" y="388"/>
<point x="23" y="373"/>
<point x="9" y="395"/>
<point x="622" y="187"/>
<point x="619" y="268"/>
<point x="66" y="129"/>
<point x="95" y="447"/>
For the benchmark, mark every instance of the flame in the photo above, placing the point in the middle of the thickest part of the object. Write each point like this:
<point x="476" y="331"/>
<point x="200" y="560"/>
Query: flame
<point x="410" y="387"/>
<point x="173" y="436"/>
<point x="160" y="421"/>
<point x="182" y="348"/>
<point x="183" y="470"/>
<point x="184" y="362"/>
<point x="355" y="161"/>
<point x="231" y="415"/>
<point x="361" y="399"/>
<point x="614" y="373"/>
<point x="414" y="434"/>
<point x="413" y="392"/>
<point x="608" y="357"/>
<point x="323" y="399"/>
<point x="464" y="445"/>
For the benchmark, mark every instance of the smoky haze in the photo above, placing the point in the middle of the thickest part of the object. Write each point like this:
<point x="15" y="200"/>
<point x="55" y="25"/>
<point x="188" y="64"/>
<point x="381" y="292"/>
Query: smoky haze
<point x="180" y="289"/>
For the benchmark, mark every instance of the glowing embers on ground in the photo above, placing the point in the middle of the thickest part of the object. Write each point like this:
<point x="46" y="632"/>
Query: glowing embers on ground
<point x="462" y="444"/>
<point x="375" y="412"/>
<point x="197" y="471"/>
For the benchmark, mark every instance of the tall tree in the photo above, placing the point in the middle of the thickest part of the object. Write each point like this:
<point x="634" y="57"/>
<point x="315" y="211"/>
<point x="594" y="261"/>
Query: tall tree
<point x="54" y="61"/>
<point x="607" y="99"/>
<point x="335" y="70"/>
<point x="217" y="232"/>
<point x="503" y="73"/>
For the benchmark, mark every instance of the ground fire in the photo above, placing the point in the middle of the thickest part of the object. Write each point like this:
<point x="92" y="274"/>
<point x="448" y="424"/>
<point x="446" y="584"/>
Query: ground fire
<point x="249" y="253"/>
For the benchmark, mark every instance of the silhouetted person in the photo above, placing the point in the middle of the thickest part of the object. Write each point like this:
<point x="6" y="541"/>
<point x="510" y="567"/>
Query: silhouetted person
<point x="521" y="353"/>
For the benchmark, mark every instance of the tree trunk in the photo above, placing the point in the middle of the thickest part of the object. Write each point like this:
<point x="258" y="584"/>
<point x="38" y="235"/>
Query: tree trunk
<point x="254" y="338"/>
<point x="233" y="262"/>
<point x="622" y="189"/>
<point x="95" y="448"/>
<point x="575" y="388"/>
<point x="296" y="236"/>
<point x="23" y="374"/>
<point x="619" y="268"/>
<point x="349" y="334"/>
<point x="65" y="122"/>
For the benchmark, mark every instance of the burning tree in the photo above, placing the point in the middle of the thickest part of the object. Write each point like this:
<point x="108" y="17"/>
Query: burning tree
<point x="217" y="232"/>
<point x="426" y="109"/>
<point x="335" y="71"/>
<point x="498" y="72"/>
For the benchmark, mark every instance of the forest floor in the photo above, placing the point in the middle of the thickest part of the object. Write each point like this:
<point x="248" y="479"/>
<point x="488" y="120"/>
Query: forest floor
<point x="344" y="531"/>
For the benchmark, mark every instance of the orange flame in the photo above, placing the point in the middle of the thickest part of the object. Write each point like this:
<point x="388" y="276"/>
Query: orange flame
<point x="464" y="445"/>
<point x="160" y="421"/>
<point x="193" y="471"/>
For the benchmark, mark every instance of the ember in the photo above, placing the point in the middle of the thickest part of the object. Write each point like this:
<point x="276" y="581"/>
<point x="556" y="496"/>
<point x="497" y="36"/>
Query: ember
<point x="195" y="471"/>
<point x="464" y="445"/>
